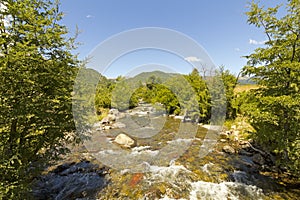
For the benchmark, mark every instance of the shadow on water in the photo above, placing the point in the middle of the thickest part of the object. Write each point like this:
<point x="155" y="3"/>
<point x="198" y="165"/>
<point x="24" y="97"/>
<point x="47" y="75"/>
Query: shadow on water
<point x="71" y="180"/>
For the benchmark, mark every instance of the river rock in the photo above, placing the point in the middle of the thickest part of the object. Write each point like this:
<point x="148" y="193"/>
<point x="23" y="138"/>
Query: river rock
<point x="111" y="117"/>
<point x="107" y="127"/>
<point x="114" y="111"/>
<point x="179" y="117"/>
<point x="97" y="125"/>
<point x="245" y="145"/>
<point x="236" y="133"/>
<point x="223" y="140"/>
<point x="118" y="125"/>
<point x="228" y="132"/>
<point x="258" y="159"/>
<point x="121" y="115"/>
<point x="244" y="152"/>
<point x="223" y="135"/>
<point x="228" y="149"/>
<point x="124" y="140"/>
<point x="105" y="120"/>
<point x="186" y="119"/>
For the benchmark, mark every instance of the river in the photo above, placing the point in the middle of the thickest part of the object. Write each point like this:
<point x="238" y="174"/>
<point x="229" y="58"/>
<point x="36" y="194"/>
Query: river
<point x="168" y="163"/>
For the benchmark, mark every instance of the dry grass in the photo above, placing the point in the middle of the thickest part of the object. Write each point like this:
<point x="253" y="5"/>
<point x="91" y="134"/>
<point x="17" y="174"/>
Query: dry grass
<point x="242" y="88"/>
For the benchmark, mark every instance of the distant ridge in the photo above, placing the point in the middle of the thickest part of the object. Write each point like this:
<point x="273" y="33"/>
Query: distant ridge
<point x="144" y="76"/>
<point x="246" y="81"/>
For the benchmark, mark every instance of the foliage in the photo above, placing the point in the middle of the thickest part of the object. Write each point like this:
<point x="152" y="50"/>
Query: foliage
<point x="230" y="82"/>
<point x="37" y="71"/>
<point x="217" y="98"/>
<point x="202" y="94"/>
<point x="103" y="94"/>
<point x="122" y="97"/>
<point x="180" y="94"/>
<point x="157" y="92"/>
<point x="274" y="107"/>
<point x="186" y="95"/>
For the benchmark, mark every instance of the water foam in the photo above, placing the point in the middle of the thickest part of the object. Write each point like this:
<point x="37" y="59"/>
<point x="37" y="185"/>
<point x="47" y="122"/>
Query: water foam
<point x="224" y="190"/>
<point x="179" y="177"/>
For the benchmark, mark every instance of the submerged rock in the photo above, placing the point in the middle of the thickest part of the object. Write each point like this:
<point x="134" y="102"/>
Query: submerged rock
<point x="244" y="152"/>
<point x="258" y="159"/>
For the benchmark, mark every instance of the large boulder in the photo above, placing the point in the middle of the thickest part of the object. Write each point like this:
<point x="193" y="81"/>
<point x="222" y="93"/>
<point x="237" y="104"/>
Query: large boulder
<point x="124" y="141"/>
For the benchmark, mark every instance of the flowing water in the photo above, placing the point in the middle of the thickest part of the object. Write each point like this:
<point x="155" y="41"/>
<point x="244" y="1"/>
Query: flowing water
<point x="167" y="164"/>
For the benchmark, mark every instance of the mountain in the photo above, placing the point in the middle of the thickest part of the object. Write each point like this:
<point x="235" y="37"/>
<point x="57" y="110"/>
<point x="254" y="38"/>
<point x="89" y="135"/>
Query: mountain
<point x="246" y="81"/>
<point x="144" y="76"/>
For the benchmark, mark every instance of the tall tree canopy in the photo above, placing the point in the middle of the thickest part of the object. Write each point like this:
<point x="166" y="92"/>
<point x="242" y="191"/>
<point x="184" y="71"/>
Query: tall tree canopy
<point x="37" y="70"/>
<point x="274" y="108"/>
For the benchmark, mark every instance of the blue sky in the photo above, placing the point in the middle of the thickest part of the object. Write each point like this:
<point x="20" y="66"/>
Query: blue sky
<point x="220" y="27"/>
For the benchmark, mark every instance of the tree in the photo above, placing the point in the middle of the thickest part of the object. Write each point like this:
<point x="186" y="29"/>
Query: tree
<point x="230" y="82"/>
<point x="103" y="93"/>
<point x="162" y="94"/>
<point x="37" y="72"/>
<point x="122" y="97"/>
<point x="202" y="95"/>
<point x="274" y="107"/>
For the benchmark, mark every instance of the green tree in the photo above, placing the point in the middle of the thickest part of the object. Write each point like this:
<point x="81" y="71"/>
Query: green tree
<point x="37" y="72"/>
<point x="274" y="108"/>
<point x="122" y="95"/>
<point x="230" y="82"/>
<point x="103" y="93"/>
<point x="162" y="94"/>
<point x="202" y="95"/>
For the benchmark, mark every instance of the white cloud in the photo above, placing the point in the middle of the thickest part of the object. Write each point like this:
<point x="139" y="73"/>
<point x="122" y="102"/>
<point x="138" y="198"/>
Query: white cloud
<point x="89" y="16"/>
<point x="237" y="49"/>
<point x="255" y="42"/>
<point x="192" y="59"/>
